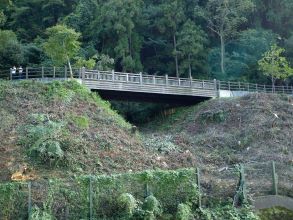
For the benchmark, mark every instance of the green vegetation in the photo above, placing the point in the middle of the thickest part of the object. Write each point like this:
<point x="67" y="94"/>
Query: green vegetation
<point x="276" y="213"/>
<point x="63" y="126"/>
<point x="205" y="39"/>
<point x="62" y="45"/>
<point x="274" y="65"/>
<point x="116" y="196"/>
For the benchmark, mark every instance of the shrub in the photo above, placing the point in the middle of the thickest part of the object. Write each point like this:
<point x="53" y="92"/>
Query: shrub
<point x="127" y="204"/>
<point x="183" y="212"/>
<point x="81" y="122"/>
<point x="152" y="205"/>
<point x="38" y="214"/>
<point x="45" y="139"/>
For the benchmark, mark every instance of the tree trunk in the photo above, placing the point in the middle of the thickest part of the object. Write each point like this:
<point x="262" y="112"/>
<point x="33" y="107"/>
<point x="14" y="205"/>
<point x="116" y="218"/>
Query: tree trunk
<point x="222" y="54"/>
<point x="70" y="68"/>
<point x="189" y="63"/>
<point x="176" y="56"/>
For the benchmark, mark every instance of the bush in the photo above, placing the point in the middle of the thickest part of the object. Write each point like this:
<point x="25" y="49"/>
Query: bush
<point x="127" y="204"/>
<point x="38" y="214"/>
<point x="45" y="139"/>
<point x="183" y="212"/>
<point x="152" y="205"/>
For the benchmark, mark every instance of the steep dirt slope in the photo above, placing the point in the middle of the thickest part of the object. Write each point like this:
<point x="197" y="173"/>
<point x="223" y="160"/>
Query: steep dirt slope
<point x="58" y="129"/>
<point x="220" y="133"/>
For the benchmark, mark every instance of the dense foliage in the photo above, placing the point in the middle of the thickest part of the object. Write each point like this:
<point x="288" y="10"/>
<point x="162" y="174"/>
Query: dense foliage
<point x="204" y="39"/>
<point x="115" y="197"/>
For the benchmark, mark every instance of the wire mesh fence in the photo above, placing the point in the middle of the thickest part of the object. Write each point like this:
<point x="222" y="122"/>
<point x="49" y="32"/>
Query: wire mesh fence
<point x="97" y="197"/>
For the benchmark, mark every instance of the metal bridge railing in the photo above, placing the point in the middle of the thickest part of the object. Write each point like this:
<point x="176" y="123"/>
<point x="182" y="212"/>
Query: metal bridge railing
<point x="40" y="73"/>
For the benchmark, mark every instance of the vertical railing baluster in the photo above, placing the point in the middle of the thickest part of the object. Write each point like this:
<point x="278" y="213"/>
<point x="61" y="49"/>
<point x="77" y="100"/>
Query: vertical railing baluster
<point x="42" y="72"/>
<point x="140" y="78"/>
<point x="26" y="72"/>
<point x="65" y="72"/>
<point x="167" y="79"/>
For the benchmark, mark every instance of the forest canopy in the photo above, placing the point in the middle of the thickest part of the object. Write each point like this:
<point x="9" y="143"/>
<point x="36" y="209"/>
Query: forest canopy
<point x="222" y="39"/>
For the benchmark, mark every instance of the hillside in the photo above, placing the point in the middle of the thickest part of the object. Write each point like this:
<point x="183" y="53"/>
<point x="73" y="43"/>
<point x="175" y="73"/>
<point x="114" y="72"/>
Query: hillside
<point x="220" y="133"/>
<point x="57" y="129"/>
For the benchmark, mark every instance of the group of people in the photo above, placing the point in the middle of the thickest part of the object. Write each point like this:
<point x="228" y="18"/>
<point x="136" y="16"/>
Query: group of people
<point x="14" y="74"/>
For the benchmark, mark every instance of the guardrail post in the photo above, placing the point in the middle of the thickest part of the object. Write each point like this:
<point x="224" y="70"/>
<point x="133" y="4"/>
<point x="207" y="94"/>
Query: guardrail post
<point x="203" y="84"/>
<point x="127" y="77"/>
<point x="283" y="89"/>
<point x="229" y="85"/>
<point x="198" y="186"/>
<point x="275" y="179"/>
<point x="264" y="86"/>
<point x="248" y="87"/>
<point x="83" y="75"/>
<point x="167" y="79"/>
<point x="179" y="83"/>
<point x="26" y="72"/>
<point x="113" y="75"/>
<point x="256" y="87"/>
<point x="154" y="79"/>
<point x="239" y="85"/>
<point x="140" y="78"/>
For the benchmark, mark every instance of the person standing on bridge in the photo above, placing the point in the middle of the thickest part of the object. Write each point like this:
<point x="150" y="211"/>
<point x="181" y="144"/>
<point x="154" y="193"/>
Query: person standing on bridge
<point x="20" y="71"/>
<point x="12" y="71"/>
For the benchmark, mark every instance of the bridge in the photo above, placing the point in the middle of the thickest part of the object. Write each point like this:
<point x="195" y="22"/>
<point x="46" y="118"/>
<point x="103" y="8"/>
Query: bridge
<point x="143" y="87"/>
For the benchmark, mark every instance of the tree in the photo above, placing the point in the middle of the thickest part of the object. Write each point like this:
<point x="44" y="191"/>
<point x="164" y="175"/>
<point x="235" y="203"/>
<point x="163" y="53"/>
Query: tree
<point x="62" y="45"/>
<point x="224" y="17"/>
<point x="274" y="65"/>
<point x="10" y="50"/>
<point x="170" y="17"/>
<point x="116" y="33"/>
<point x="191" y="41"/>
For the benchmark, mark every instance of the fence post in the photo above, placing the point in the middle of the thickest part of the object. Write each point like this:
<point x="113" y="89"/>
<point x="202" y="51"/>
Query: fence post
<point x="140" y="78"/>
<point x="229" y="85"/>
<point x="29" y="185"/>
<point x="91" y="197"/>
<point x="191" y="81"/>
<point x="65" y="72"/>
<point x="83" y="75"/>
<point x="80" y="72"/>
<point x="42" y="72"/>
<point x="275" y="179"/>
<point x="54" y="72"/>
<point x="26" y="72"/>
<point x="167" y="79"/>
<point x="198" y="186"/>
<point x="239" y="86"/>
<point x="113" y="75"/>
<point x="146" y="190"/>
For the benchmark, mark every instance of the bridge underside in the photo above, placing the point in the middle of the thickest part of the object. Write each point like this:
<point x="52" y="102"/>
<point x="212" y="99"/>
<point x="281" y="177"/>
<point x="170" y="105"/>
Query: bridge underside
<point x="150" y="97"/>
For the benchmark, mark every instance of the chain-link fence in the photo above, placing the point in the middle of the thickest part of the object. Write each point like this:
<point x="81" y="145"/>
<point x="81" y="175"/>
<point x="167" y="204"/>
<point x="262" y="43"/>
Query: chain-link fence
<point x="96" y="197"/>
